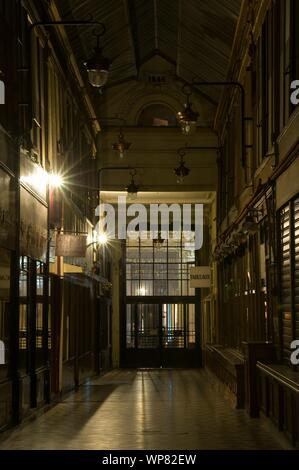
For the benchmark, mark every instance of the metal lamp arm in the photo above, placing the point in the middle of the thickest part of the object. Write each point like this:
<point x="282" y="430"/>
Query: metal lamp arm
<point x="68" y="23"/>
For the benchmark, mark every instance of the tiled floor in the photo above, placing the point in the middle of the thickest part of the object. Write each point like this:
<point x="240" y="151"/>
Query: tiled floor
<point x="145" y="409"/>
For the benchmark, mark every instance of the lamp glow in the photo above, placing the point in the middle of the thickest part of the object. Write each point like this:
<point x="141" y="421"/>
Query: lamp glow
<point x="102" y="239"/>
<point x="55" y="181"/>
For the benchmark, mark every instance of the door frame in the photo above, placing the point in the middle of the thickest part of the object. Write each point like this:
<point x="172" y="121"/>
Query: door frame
<point x="161" y="357"/>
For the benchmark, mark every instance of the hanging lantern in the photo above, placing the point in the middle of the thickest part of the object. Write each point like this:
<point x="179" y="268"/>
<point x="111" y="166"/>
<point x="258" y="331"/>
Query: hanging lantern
<point x="132" y="189"/>
<point x="98" y="66"/>
<point x="187" y="118"/>
<point x="181" y="171"/>
<point x="122" y="146"/>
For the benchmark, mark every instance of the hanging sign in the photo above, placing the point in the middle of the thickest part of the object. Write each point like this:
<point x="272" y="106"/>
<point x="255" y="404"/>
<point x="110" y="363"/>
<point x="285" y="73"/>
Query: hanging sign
<point x="71" y="245"/>
<point x="200" y="276"/>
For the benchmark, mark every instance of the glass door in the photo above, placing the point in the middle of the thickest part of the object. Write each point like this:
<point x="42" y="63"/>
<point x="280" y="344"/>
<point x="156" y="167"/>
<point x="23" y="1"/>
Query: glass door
<point x="161" y="335"/>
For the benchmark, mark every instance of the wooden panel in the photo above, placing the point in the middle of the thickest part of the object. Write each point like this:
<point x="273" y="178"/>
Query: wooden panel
<point x="5" y="404"/>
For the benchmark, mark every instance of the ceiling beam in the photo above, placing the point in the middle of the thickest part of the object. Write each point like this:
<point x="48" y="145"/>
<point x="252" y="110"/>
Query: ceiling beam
<point x="156" y="30"/>
<point x="132" y="22"/>
<point x="133" y="38"/>
<point x="179" y="38"/>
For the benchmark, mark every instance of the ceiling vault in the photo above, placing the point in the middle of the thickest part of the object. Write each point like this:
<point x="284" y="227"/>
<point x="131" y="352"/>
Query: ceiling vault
<point x="195" y="37"/>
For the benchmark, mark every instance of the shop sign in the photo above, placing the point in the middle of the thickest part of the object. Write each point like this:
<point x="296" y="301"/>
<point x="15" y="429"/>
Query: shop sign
<point x="200" y="277"/>
<point x="71" y="245"/>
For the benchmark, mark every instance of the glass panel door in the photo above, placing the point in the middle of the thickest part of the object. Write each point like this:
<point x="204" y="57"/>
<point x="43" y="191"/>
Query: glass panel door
<point x="161" y="335"/>
<point x="148" y="326"/>
<point x="173" y="325"/>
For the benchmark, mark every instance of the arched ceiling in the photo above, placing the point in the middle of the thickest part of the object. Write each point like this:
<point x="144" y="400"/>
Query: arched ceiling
<point x="195" y="36"/>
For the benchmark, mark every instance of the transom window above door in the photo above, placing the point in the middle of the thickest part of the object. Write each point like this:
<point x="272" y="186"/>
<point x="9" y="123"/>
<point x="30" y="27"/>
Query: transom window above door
<point x="159" y="267"/>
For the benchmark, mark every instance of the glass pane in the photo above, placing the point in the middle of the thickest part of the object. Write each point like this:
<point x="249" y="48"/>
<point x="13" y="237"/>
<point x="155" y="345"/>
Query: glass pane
<point x="147" y="326"/>
<point x="186" y="289"/>
<point x="146" y="241"/>
<point x="135" y="288"/>
<point x="130" y="327"/>
<point x="134" y="271"/>
<point x="23" y="284"/>
<point x="23" y="326"/>
<point x="173" y="325"/>
<point x="129" y="288"/>
<point x="174" y="239"/>
<point x="39" y="285"/>
<point x="40" y="267"/>
<point x="132" y="255"/>
<point x="23" y="263"/>
<point x="185" y="271"/>
<point x="146" y="255"/>
<point x="146" y="288"/>
<point x="161" y="255"/>
<point x="174" y="271"/>
<point x="160" y="287"/>
<point x="174" y="287"/>
<point x="128" y="271"/>
<point x="188" y="256"/>
<point x="39" y="326"/>
<point x="160" y="271"/>
<point x="190" y="336"/>
<point x="131" y="241"/>
<point x="146" y="271"/>
<point x="158" y="264"/>
<point x="174" y="255"/>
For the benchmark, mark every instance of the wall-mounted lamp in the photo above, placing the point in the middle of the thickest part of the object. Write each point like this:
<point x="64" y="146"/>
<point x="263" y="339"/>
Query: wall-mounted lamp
<point x="40" y="179"/>
<point x="132" y="189"/>
<point x="55" y="180"/>
<point x="102" y="239"/>
<point x="250" y="224"/>
<point x="188" y="117"/>
<point x="98" y="65"/>
<point x="181" y="171"/>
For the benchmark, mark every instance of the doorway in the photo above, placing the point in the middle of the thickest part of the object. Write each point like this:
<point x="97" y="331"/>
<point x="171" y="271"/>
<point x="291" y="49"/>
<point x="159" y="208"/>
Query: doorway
<point x="161" y="335"/>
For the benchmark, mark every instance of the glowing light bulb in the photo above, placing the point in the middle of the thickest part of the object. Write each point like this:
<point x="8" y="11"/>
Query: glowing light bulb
<point x="55" y="181"/>
<point x="102" y="239"/>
